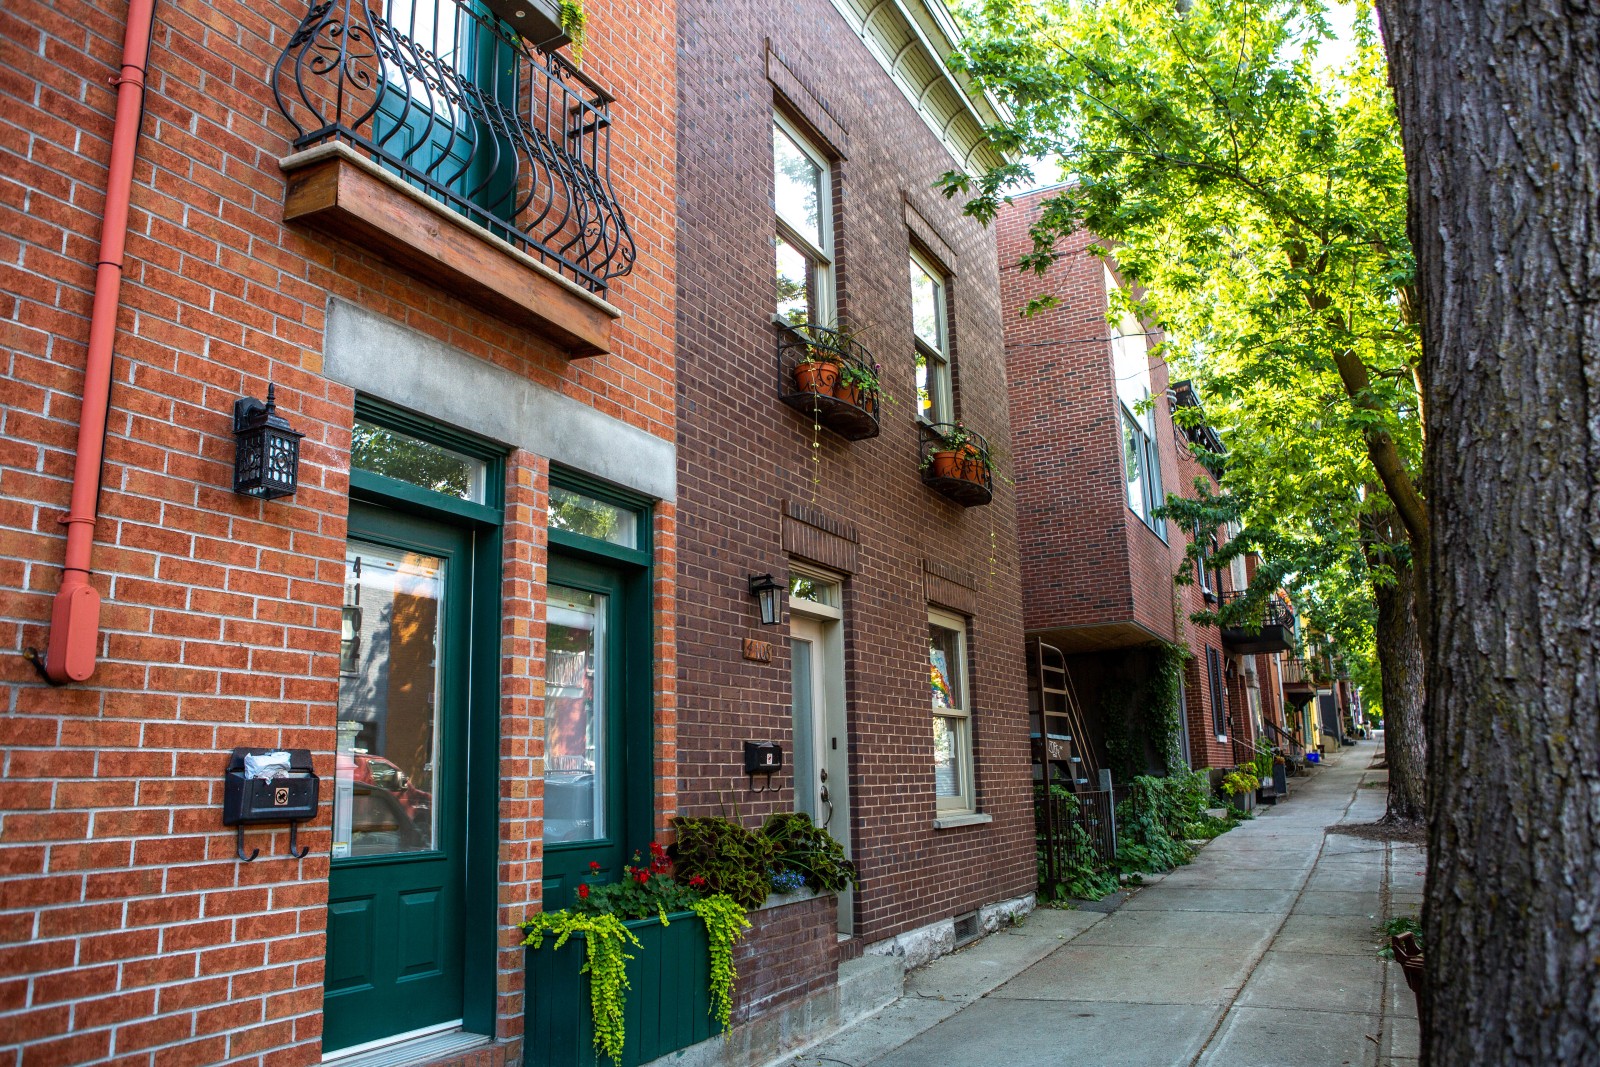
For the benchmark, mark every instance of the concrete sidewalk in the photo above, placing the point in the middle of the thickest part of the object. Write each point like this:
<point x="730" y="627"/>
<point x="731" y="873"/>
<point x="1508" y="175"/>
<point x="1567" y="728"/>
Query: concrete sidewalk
<point x="1262" y="951"/>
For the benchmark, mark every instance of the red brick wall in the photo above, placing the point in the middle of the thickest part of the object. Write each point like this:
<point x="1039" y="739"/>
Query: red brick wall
<point x="1087" y="559"/>
<point x="788" y="952"/>
<point x="128" y="931"/>
<point x="1073" y="524"/>
<point x="742" y="454"/>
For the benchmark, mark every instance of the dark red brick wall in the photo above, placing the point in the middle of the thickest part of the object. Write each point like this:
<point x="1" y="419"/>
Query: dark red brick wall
<point x="128" y="930"/>
<point x="1087" y="559"/>
<point x="1073" y="526"/>
<point x="742" y="453"/>
<point x="788" y="952"/>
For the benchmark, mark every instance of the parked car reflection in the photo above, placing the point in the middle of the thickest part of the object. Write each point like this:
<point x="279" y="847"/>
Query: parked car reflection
<point x="388" y="814"/>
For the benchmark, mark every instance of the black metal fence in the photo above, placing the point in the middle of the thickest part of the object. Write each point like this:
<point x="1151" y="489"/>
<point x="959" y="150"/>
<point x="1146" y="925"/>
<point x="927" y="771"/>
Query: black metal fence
<point x="453" y="101"/>
<point x="1073" y="832"/>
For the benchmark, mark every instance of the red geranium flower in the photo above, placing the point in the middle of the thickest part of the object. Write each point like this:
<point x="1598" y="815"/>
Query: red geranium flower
<point x="583" y="892"/>
<point x="697" y="881"/>
<point x="594" y="865"/>
<point x="642" y="876"/>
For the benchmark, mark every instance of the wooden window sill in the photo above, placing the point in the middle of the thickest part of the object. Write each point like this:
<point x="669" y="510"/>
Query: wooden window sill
<point x="334" y="189"/>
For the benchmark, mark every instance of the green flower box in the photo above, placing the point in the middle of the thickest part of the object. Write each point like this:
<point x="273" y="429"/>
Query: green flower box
<point x="668" y="999"/>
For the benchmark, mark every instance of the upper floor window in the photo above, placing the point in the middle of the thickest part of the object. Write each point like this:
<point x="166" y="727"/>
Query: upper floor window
<point x="804" y="228"/>
<point x="931" y="338"/>
<point x="1141" y="459"/>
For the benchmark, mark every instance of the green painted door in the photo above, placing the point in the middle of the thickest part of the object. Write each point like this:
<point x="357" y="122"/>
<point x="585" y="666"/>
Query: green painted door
<point x="586" y="778"/>
<point x="398" y="873"/>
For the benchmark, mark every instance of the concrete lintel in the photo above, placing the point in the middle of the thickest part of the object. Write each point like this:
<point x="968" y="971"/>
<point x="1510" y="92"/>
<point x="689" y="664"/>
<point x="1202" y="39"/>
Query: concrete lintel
<point x="377" y="356"/>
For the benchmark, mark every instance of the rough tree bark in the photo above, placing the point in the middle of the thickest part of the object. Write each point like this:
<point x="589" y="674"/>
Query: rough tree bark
<point x="1500" y="106"/>
<point x="1399" y="642"/>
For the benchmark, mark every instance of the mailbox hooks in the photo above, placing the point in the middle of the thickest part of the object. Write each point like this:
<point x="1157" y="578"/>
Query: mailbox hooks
<point x="764" y="758"/>
<point x="266" y="786"/>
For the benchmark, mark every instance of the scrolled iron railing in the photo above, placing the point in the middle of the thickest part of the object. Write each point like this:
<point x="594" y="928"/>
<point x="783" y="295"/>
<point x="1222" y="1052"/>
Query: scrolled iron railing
<point x="450" y="99"/>
<point x="847" y="399"/>
<point x="1272" y="611"/>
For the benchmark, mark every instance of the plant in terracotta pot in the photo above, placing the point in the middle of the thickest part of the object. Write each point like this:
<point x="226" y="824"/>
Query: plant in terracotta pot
<point x="859" y="385"/>
<point x="959" y="453"/>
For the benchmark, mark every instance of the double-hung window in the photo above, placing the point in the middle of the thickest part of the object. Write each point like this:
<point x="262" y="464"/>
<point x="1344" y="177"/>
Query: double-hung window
<point x="1141" y="460"/>
<point x="803" y="238"/>
<point x="931" y="338"/>
<point x="952" y="714"/>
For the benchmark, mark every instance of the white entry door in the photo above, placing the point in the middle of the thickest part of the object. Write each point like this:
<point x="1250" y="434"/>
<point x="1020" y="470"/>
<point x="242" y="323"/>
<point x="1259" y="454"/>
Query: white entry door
<point x="821" y="745"/>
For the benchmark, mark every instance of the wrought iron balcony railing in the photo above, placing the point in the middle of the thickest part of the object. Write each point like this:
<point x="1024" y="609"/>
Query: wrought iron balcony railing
<point x="957" y="463"/>
<point x="1268" y="628"/>
<point x="829" y="376"/>
<point x="450" y="99"/>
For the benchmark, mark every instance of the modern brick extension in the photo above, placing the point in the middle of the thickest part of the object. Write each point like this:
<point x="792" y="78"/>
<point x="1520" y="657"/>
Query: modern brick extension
<point x="1097" y="579"/>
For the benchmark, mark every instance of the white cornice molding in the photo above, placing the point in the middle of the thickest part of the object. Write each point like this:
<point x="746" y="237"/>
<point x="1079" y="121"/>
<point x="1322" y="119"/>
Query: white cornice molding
<point x="911" y="40"/>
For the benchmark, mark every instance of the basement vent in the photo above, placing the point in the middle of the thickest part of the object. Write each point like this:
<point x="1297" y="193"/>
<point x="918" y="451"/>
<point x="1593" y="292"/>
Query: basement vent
<point x="966" y="928"/>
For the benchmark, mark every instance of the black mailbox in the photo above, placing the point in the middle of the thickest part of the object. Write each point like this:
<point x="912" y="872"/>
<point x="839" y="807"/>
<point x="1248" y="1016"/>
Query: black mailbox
<point x="762" y="757"/>
<point x="288" y="796"/>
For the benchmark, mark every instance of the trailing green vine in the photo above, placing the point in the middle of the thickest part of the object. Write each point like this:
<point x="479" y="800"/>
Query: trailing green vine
<point x="725" y="923"/>
<point x="605" y="941"/>
<point x="575" y="24"/>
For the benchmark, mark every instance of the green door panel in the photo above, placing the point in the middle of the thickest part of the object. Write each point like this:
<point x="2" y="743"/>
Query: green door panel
<point x="397" y="881"/>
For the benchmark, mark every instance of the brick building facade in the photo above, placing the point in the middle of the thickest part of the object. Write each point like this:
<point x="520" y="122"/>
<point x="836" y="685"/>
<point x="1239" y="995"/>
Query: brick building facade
<point x="488" y="427"/>
<point x="1097" y="449"/>
<point x="817" y="96"/>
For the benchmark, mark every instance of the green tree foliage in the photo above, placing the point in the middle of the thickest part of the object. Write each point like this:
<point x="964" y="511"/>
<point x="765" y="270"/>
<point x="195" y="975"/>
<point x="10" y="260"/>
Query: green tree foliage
<point x="1255" y="202"/>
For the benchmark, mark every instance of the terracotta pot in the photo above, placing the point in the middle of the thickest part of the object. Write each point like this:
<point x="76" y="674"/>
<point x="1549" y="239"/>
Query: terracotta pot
<point x="947" y="464"/>
<point x="815" y="376"/>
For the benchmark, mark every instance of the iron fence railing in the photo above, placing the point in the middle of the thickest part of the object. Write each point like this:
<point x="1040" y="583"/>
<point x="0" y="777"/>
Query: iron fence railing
<point x="1271" y="611"/>
<point x="1074" y="831"/>
<point x="452" y="100"/>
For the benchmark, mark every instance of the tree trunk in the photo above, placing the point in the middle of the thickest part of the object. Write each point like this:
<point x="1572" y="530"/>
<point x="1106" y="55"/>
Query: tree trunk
<point x="1499" y="107"/>
<point x="1399" y="641"/>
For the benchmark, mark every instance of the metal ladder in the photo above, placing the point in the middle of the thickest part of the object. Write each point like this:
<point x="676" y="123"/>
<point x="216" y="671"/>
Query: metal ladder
<point x="1056" y="721"/>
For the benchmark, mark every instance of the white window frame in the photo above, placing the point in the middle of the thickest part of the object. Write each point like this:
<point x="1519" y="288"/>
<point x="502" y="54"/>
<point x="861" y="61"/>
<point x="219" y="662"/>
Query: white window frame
<point x="937" y="359"/>
<point x="821" y="257"/>
<point x="966" y="802"/>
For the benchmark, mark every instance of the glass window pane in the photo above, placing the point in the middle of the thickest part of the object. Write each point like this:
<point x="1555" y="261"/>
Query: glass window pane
<point x="396" y="455"/>
<point x="797" y="286"/>
<point x="1132" y="463"/>
<point x="797" y="192"/>
<point x="387" y="741"/>
<point x="946" y="764"/>
<point x="576" y="513"/>
<point x="814" y="590"/>
<point x="926" y="296"/>
<point x="574" y="716"/>
<point x="434" y="26"/>
<point x="945" y="666"/>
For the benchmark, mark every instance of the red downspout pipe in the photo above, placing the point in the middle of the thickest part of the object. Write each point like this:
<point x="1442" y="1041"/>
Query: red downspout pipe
<point x="75" y="617"/>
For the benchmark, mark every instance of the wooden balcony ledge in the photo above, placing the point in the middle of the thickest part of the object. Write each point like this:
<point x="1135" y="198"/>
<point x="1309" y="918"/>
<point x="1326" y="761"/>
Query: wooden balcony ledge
<point x="337" y="191"/>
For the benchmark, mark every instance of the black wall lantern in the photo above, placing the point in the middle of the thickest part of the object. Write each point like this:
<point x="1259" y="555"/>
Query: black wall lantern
<point x="266" y="462"/>
<point x="768" y="593"/>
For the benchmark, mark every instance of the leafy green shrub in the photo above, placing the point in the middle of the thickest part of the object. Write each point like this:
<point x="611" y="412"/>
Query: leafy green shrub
<point x="809" y="851"/>
<point x="1240" y="781"/>
<point x="1153" y="823"/>
<point x="605" y="942"/>
<point x="728" y="857"/>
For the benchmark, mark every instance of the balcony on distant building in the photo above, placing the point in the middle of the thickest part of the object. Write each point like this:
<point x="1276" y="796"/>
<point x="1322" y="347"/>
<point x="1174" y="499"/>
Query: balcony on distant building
<point x="1267" y="627"/>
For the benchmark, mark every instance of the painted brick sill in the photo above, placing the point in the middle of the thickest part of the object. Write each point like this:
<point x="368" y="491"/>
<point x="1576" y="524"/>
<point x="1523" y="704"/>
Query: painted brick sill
<point x="950" y="822"/>
<point x="334" y="189"/>
<point x="799" y="896"/>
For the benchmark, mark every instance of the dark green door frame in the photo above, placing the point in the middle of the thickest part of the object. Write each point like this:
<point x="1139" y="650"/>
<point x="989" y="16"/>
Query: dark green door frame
<point x="387" y="502"/>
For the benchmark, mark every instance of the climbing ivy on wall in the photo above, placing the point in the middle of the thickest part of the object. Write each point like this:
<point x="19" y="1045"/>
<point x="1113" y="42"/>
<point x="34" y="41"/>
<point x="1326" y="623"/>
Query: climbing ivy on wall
<point x="1144" y="716"/>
